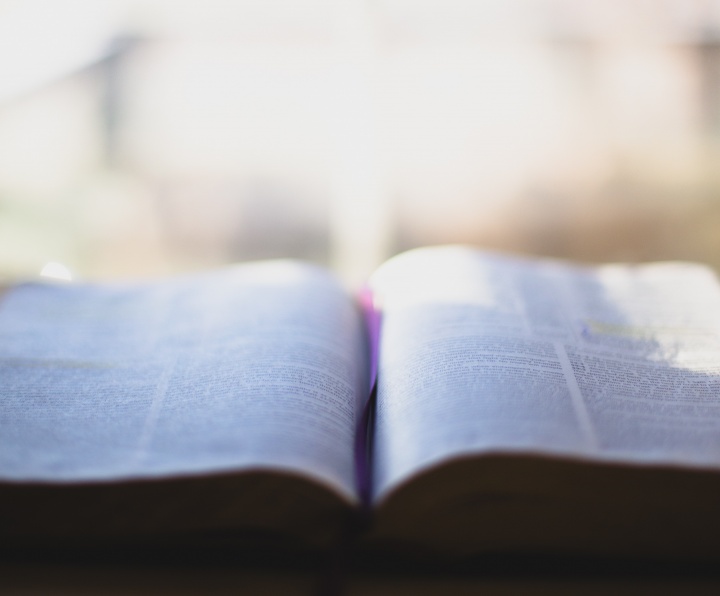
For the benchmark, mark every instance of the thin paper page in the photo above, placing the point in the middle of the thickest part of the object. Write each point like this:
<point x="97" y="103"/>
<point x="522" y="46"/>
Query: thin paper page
<point x="258" y="366"/>
<point x="485" y="353"/>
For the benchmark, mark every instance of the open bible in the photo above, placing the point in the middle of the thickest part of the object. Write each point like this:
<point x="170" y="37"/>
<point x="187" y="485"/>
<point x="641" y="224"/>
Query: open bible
<point x="521" y="405"/>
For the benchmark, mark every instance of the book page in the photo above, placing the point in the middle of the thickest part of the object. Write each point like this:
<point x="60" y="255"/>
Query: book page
<point x="484" y="353"/>
<point x="258" y="366"/>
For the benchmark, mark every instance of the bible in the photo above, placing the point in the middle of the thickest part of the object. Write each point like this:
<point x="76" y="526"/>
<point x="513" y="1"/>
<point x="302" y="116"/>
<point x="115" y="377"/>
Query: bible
<point x="520" y="405"/>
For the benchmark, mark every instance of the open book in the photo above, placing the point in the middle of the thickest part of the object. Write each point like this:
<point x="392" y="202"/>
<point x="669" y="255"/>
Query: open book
<point x="521" y="405"/>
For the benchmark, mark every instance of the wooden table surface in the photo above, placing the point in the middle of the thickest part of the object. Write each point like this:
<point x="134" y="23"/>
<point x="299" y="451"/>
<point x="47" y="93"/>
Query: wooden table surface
<point x="51" y="580"/>
<point x="218" y="574"/>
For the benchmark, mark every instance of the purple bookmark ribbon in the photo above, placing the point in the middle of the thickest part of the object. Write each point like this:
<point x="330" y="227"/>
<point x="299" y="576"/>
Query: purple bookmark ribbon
<point x="372" y="324"/>
<point x="364" y="431"/>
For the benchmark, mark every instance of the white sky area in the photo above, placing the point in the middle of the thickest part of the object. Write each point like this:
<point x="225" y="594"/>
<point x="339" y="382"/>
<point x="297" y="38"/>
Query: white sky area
<point x="342" y="131"/>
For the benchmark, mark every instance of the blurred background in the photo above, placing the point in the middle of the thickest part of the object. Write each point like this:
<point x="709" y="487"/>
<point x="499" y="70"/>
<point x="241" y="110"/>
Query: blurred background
<point x="141" y="138"/>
